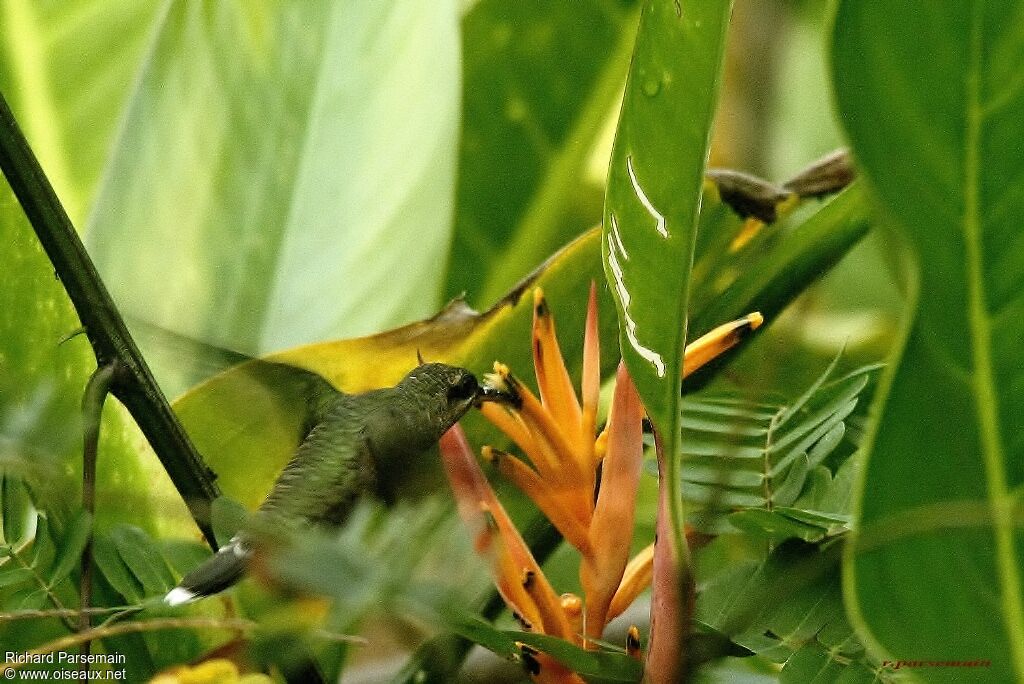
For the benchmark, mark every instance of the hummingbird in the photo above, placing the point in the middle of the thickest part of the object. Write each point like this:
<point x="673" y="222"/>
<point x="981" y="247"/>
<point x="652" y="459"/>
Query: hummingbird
<point x="353" y="438"/>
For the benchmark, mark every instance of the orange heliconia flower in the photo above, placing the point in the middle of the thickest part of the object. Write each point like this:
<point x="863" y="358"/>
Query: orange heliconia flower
<point x="564" y="454"/>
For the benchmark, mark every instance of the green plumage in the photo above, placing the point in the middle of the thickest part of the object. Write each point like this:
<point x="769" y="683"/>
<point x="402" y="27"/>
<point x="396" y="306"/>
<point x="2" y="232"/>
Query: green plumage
<point x="359" y="433"/>
<point x="352" y="438"/>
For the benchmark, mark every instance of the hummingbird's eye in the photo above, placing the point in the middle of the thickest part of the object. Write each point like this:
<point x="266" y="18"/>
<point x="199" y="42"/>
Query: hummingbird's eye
<point x="466" y="388"/>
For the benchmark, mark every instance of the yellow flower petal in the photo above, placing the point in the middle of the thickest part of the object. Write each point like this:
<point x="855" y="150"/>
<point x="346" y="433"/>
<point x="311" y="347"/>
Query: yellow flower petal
<point x="635" y="579"/>
<point x="509" y="579"/>
<point x="601" y="445"/>
<point x="540" y="492"/>
<point x="553" y="456"/>
<point x="520" y="572"/>
<point x="718" y="341"/>
<point x="633" y="642"/>
<point x="556" y="390"/>
<point x="751" y="227"/>
<point x="518" y="576"/>
<point x="572" y="606"/>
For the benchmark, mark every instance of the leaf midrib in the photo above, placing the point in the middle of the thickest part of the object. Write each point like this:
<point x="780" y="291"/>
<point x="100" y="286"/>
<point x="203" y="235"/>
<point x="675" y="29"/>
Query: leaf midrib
<point x="983" y="379"/>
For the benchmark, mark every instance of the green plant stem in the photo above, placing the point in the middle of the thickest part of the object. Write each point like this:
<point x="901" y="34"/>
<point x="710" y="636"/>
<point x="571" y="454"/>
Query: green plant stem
<point x="95" y="396"/>
<point x="133" y="383"/>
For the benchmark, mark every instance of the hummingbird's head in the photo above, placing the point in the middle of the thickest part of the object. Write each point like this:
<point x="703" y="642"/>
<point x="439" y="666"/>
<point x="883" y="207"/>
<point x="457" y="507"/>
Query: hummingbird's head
<point x="447" y="392"/>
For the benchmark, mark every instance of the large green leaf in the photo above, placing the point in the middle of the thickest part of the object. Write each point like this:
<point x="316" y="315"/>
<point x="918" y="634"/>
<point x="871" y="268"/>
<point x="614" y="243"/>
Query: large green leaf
<point x="247" y="420"/>
<point x="932" y="99"/>
<point x="540" y="80"/>
<point x="652" y="205"/>
<point x="66" y="69"/>
<point x="314" y="134"/>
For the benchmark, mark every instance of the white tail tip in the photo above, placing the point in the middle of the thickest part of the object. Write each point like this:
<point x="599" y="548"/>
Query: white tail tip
<point x="178" y="596"/>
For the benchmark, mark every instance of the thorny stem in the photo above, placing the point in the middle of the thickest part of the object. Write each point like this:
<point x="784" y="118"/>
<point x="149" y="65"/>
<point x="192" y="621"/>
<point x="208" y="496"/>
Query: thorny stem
<point x="133" y="383"/>
<point x="95" y="395"/>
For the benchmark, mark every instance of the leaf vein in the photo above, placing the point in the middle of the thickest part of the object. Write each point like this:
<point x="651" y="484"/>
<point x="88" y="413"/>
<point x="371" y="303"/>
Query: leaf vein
<point x="983" y="385"/>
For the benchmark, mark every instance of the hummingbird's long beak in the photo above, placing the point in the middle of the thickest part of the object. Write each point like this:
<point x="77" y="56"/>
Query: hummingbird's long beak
<point x="498" y="395"/>
<point x="498" y="389"/>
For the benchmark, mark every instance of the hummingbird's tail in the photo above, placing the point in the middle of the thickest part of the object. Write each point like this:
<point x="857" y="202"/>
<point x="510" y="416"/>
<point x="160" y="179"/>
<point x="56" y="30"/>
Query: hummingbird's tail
<point x="215" y="575"/>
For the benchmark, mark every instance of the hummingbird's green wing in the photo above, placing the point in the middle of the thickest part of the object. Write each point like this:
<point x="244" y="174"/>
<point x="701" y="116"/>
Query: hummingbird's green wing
<point x="337" y="462"/>
<point x="331" y="470"/>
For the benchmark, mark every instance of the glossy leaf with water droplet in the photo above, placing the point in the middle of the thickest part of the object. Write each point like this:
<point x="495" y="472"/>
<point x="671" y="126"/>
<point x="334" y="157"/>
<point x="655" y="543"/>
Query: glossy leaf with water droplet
<point x="653" y="197"/>
<point x="652" y="204"/>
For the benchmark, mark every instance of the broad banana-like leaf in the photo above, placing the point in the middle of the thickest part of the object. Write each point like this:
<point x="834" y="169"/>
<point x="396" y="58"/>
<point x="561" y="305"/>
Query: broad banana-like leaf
<point x="314" y="133"/>
<point x="66" y="70"/>
<point x="931" y="96"/>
